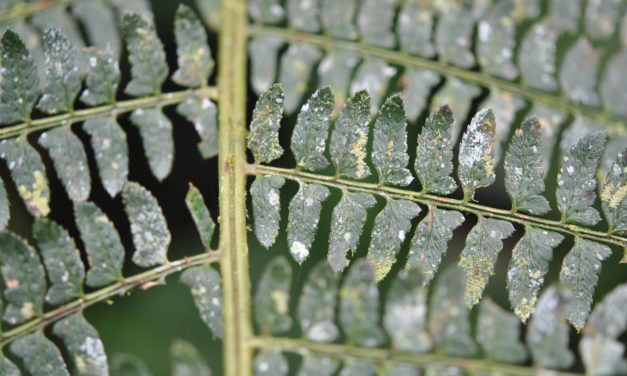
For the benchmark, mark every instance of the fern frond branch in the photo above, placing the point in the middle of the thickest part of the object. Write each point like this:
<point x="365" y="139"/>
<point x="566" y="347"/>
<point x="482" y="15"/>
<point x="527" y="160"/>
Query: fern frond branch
<point x="618" y="123"/>
<point x="444" y="202"/>
<point x="105" y="293"/>
<point x="24" y="10"/>
<point x="232" y="84"/>
<point x="164" y="99"/>
<point x="396" y="356"/>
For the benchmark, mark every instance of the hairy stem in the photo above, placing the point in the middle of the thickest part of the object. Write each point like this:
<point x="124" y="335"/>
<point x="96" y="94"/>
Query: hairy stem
<point x="444" y="202"/>
<point x="395" y="356"/>
<point x="404" y="59"/>
<point x="105" y="293"/>
<point x="164" y="99"/>
<point x="232" y="166"/>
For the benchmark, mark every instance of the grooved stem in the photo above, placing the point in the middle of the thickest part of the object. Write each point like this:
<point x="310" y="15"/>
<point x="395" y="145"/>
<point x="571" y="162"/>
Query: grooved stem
<point x="232" y="84"/>
<point x="404" y="59"/>
<point x="396" y="356"/>
<point x="444" y="202"/>
<point x="164" y="99"/>
<point x="105" y="293"/>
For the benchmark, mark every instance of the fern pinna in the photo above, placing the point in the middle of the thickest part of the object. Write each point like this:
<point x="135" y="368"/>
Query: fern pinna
<point x="373" y="200"/>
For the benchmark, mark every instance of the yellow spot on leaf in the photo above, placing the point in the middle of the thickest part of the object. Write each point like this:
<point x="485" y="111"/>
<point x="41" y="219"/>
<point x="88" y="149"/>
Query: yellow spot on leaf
<point x="359" y="151"/>
<point x="35" y="201"/>
<point x="280" y="300"/>
<point x="525" y="308"/>
<point x="614" y="194"/>
<point x="13" y="283"/>
<point x="27" y="310"/>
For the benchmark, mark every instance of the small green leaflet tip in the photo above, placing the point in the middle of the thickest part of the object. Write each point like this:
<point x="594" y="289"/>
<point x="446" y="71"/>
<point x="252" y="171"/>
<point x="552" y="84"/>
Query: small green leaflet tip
<point x="476" y="153"/>
<point x="200" y="214"/>
<point x="263" y="137"/>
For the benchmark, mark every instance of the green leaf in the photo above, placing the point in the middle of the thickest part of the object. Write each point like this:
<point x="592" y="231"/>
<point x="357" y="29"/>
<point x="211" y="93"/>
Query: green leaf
<point x="359" y="367"/>
<point x="39" y="355"/>
<point x="103" y="77"/>
<point x="304" y="15"/>
<point x="565" y="14"/>
<point x="203" y="113"/>
<point x="476" y="153"/>
<point x="453" y="34"/>
<point x="70" y="161"/>
<point x="59" y="18"/>
<point x="347" y="223"/>
<point x="264" y="52"/>
<point x="576" y="182"/>
<point x="359" y="306"/>
<point x="548" y="332"/>
<point x="297" y="64"/>
<point x="602" y="17"/>
<point x="373" y="75"/>
<point x="266" y="11"/>
<point x="192" y="49"/>
<point x="417" y="85"/>
<point x="613" y="83"/>
<point x="578" y="73"/>
<point x="309" y="138"/>
<point x="405" y="318"/>
<point x="204" y="283"/>
<point x="483" y="244"/>
<point x="62" y="259"/>
<point x="7" y="368"/>
<point x="62" y="73"/>
<point x="263" y="136"/>
<point x="414" y="28"/>
<point x="337" y="18"/>
<point x="580" y="271"/>
<point x="156" y="132"/>
<point x="266" y="203"/>
<point x="448" y="316"/>
<point x="336" y="70"/>
<point x="185" y="360"/>
<point x="550" y="120"/>
<point x="5" y="206"/>
<point x="102" y="244"/>
<point x="497" y="41"/>
<point x="100" y="24"/>
<point x="350" y="137"/>
<point x="314" y="365"/>
<point x="390" y="229"/>
<point x="537" y="56"/>
<point x="528" y="266"/>
<point x="458" y="95"/>
<point x="24" y="279"/>
<point x="434" y="153"/>
<point x="28" y="173"/>
<point x="375" y="20"/>
<point x="498" y="333"/>
<point x="524" y="169"/>
<point x="316" y="309"/>
<point x="151" y="236"/>
<point x="272" y="299"/>
<point x="389" y="146"/>
<point x="200" y="214"/>
<point x="430" y="240"/>
<point x="19" y="93"/>
<point x="108" y="142"/>
<point x="128" y="365"/>
<point x="614" y="195"/>
<point x="83" y="344"/>
<point x="402" y="370"/>
<point x="270" y="363"/>
<point x="302" y="222"/>
<point x="600" y="347"/>
<point x="146" y="56"/>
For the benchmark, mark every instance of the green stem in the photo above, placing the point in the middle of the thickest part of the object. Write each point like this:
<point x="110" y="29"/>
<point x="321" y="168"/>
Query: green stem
<point x="395" y="356"/>
<point x="105" y="293"/>
<point x="402" y="58"/>
<point x="444" y="202"/>
<point x="21" y="10"/>
<point x="165" y="99"/>
<point x="232" y="198"/>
